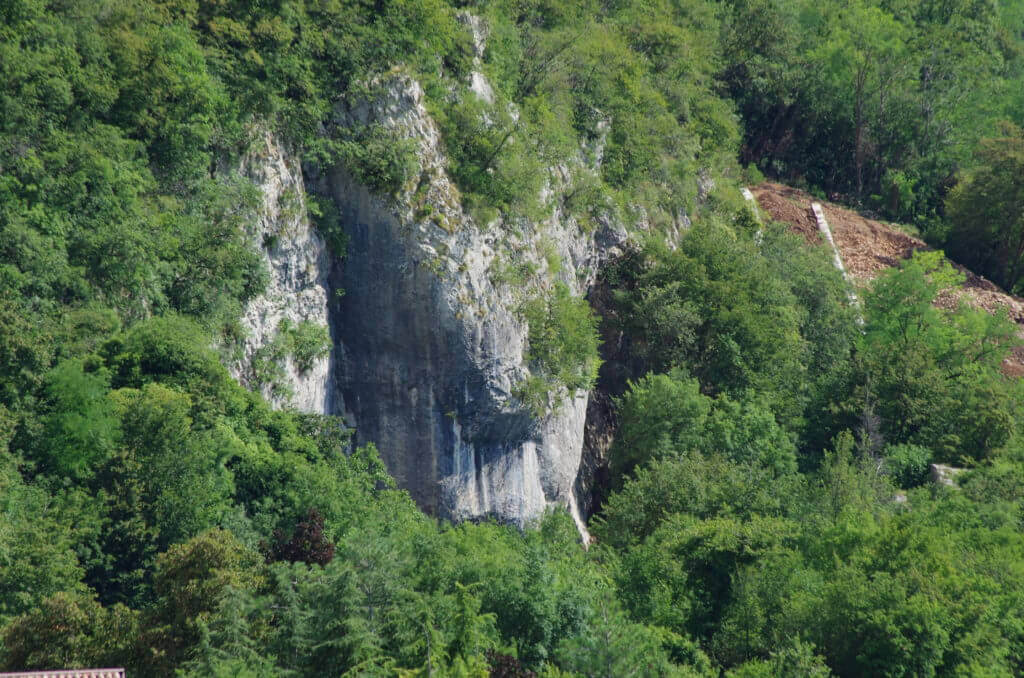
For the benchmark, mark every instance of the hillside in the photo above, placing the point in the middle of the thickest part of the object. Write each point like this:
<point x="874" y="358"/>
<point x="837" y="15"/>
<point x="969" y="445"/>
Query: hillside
<point x="869" y="246"/>
<point x="436" y="339"/>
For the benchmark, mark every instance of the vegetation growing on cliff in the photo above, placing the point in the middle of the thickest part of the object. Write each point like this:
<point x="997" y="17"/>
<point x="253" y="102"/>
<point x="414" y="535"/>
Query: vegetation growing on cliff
<point x="768" y="513"/>
<point x="562" y="345"/>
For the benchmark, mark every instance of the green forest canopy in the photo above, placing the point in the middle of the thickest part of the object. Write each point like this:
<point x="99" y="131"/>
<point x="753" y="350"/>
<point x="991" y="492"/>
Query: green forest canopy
<point x="157" y="515"/>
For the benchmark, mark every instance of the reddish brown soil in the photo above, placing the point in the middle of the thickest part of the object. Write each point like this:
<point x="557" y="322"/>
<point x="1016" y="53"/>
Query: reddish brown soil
<point x="868" y="246"/>
<point x="789" y="206"/>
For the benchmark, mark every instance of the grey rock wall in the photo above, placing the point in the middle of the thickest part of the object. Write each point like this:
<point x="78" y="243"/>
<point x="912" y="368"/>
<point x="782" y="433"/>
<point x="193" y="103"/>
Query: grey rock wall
<point x="297" y="262"/>
<point x="430" y="347"/>
<point x="428" y="341"/>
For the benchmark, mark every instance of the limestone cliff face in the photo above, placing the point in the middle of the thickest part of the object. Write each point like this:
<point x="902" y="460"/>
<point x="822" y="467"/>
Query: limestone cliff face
<point x="297" y="263"/>
<point x="428" y="336"/>
<point x="430" y="345"/>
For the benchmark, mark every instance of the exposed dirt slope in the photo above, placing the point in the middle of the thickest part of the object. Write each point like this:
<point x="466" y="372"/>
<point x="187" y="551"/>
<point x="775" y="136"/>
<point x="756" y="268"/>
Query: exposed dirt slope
<point x="868" y="246"/>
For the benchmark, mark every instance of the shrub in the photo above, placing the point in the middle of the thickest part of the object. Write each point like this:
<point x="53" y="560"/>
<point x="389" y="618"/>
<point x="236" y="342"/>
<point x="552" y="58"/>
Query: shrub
<point x="308" y="342"/>
<point x="307" y="544"/>
<point x="377" y="157"/>
<point x="562" y="339"/>
<point x="908" y="464"/>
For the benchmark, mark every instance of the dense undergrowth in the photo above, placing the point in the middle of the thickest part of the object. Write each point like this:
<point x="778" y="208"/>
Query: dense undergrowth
<point x="769" y="511"/>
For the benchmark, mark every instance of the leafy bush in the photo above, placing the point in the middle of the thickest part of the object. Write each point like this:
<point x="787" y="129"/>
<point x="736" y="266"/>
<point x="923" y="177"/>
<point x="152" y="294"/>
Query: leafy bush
<point x="660" y="415"/>
<point x="307" y="342"/>
<point x="304" y="343"/>
<point x="489" y="157"/>
<point x="771" y="318"/>
<point x="985" y="234"/>
<point x="908" y="464"/>
<point x="562" y="339"/>
<point x="924" y="368"/>
<point x="325" y="214"/>
<point x="377" y="157"/>
<point x="82" y="430"/>
<point x="666" y="415"/>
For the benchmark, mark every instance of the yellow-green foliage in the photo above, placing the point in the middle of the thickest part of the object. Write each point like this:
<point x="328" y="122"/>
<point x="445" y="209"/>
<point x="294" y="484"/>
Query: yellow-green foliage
<point x="305" y="343"/>
<point x="756" y="528"/>
<point x="562" y="341"/>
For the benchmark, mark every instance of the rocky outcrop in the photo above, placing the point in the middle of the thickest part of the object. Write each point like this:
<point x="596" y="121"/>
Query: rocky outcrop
<point x="430" y="341"/>
<point x="478" y="83"/>
<point x="942" y="474"/>
<point x="428" y="335"/>
<point x="296" y="293"/>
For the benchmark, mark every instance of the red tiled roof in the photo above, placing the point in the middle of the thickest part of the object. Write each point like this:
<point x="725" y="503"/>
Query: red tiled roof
<point x="68" y="673"/>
